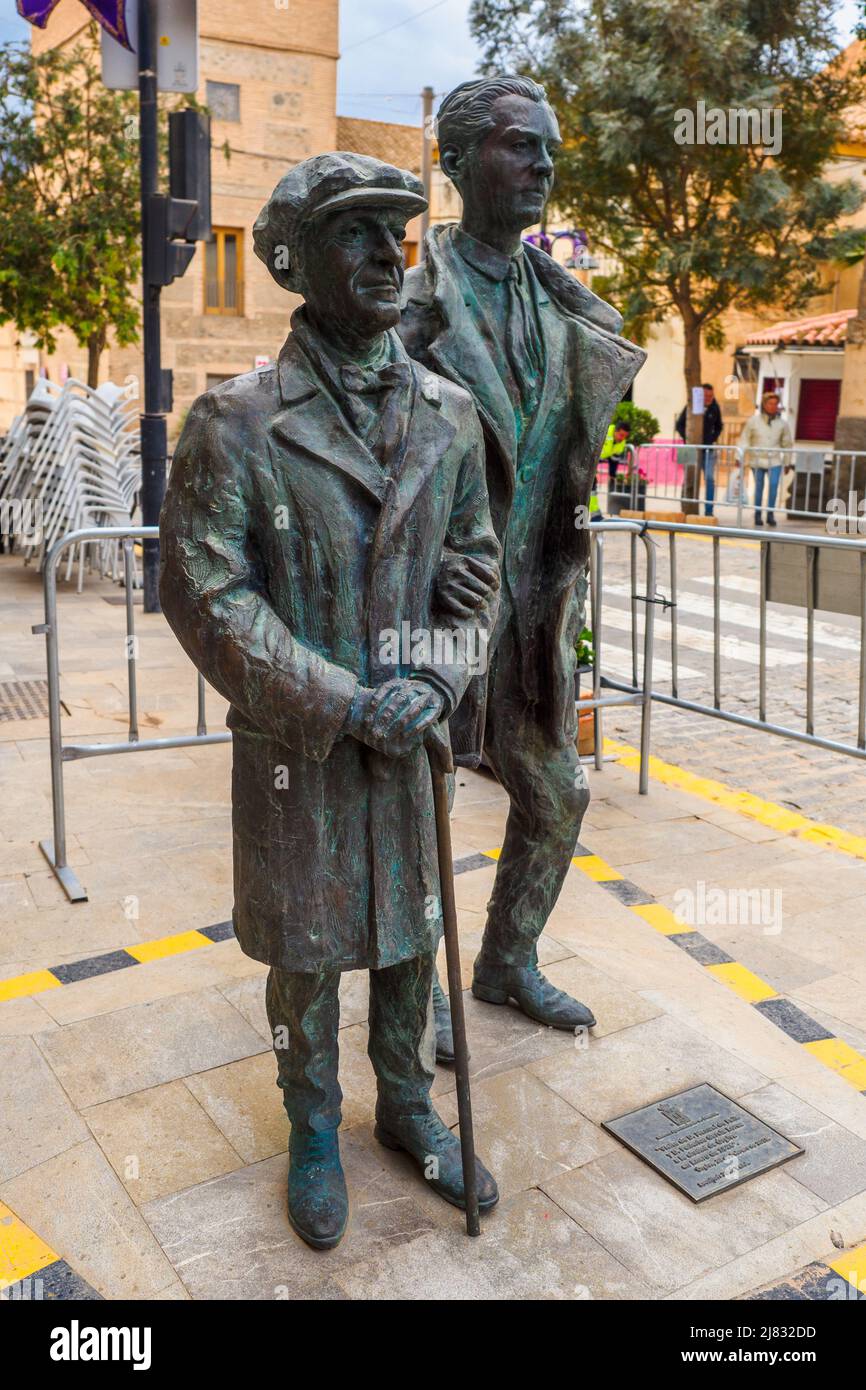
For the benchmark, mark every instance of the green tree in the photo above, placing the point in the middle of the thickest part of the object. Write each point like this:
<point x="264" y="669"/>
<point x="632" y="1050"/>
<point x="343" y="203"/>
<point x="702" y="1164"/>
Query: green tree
<point x="694" y="228"/>
<point x="69" y="200"/>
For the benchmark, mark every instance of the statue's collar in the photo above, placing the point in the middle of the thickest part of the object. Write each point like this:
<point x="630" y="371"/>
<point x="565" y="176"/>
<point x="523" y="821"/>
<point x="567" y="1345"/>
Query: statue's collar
<point x="486" y="259"/>
<point x="307" y="363"/>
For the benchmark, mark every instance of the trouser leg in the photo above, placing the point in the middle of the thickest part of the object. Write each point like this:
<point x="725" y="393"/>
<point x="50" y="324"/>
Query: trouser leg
<point x="401" y="1045"/>
<point x="775" y="475"/>
<point x="760" y="475"/>
<point x="304" y="1014"/>
<point x="549" y="794"/>
<point x="709" y="480"/>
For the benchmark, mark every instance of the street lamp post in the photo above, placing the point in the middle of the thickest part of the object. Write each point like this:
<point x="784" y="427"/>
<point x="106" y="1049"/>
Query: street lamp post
<point x="154" y="435"/>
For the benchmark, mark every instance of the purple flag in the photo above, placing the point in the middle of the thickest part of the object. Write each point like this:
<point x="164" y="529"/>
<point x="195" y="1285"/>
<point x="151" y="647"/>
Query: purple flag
<point x="111" y="14"/>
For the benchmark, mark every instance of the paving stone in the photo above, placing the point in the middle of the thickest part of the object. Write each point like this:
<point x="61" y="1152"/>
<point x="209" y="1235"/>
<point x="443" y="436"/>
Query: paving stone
<point x="78" y="1206"/>
<point x="528" y="1250"/>
<point x="246" y="1105"/>
<point x="659" y="1233"/>
<point x="833" y="1164"/>
<point x="640" y="1064"/>
<point x="793" y="1021"/>
<point x="614" y="1006"/>
<point x="231" y="1239"/>
<point x="37" y="1120"/>
<point x="839" y="995"/>
<point x="501" y="1038"/>
<point x="115" y="1054"/>
<point x="159" y="1141"/>
<point x="24" y="1017"/>
<point x="524" y="1132"/>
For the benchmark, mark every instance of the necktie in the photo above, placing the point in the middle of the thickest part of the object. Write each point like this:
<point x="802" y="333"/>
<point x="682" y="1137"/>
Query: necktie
<point x="522" y="342"/>
<point x="378" y="417"/>
<point x="362" y="381"/>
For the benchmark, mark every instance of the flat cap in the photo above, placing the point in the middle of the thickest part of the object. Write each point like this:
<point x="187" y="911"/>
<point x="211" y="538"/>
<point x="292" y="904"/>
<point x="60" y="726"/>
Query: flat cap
<point x="326" y="183"/>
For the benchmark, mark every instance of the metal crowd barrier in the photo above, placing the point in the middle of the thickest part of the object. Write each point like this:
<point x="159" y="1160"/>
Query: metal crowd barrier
<point x="640" y="693"/>
<point x="55" y="849"/>
<point x="606" y="692"/>
<point x="675" y="477"/>
<point x="812" y="545"/>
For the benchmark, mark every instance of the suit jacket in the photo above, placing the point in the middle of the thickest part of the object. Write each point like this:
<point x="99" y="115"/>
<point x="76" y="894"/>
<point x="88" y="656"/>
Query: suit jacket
<point x="536" y="485"/>
<point x="287" y="552"/>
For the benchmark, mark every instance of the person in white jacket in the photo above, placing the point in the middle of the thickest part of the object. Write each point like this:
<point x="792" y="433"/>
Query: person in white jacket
<point x="762" y="437"/>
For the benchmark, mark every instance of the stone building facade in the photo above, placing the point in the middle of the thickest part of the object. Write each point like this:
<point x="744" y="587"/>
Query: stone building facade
<point x="270" y="87"/>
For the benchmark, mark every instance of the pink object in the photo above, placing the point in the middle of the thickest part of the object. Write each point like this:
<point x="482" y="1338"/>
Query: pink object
<point x="659" y="460"/>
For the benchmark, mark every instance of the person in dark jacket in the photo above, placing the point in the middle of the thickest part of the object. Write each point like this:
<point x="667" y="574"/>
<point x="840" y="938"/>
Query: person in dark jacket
<point x="712" y="431"/>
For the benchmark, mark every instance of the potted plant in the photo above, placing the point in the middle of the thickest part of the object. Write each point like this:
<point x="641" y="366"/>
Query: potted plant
<point x="643" y="428"/>
<point x="629" y="490"/>
<point x="585" y="655"/>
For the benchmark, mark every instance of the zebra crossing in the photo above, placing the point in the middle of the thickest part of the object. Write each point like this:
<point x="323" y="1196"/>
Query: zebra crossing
<point x="691" y="639"/>
<point x="695" y="631"/>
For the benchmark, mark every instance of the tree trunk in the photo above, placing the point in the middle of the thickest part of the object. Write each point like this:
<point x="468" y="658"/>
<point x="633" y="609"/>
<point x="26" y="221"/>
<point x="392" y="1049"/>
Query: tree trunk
<point x="95" y="348"/>
<point x="694" y="423"/>
<point x="851" y="424"/>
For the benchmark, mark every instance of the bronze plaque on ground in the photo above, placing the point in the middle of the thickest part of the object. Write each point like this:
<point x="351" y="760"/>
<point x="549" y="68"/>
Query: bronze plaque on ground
<point x="702" y="1141"/>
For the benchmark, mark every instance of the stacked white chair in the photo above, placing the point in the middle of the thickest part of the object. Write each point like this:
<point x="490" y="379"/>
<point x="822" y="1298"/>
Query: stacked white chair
<point x="73" y="457"/>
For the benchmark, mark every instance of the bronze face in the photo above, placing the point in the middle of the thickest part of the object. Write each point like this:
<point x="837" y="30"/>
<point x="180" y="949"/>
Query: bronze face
<point x="509" y="176"/>
<point x="354" y="276"/>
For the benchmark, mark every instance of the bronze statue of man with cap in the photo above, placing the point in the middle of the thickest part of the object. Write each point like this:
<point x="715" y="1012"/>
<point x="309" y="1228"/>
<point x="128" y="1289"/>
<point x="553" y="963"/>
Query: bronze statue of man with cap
<point x="541" y="356"/>
<point x="307" y="512"/>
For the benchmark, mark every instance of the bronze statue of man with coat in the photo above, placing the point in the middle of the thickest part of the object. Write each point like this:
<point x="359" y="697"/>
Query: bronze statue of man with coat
<point x="308" y="510"/>
<point x="541" y="356"/>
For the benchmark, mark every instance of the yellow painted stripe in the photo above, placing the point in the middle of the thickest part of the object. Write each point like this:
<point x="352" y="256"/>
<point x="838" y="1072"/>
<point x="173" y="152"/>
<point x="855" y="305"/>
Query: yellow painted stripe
<point x="744" y="803"/>
<point x="661" y="918"/>
<point x="841" y="1058"/>
<point x="168" y="946"/>
<point x="852" y="1266"/>
<point x="596" y="868"/>
<point x="22" y="1252"/>
<point x="492" y="853"/>
<point x="34" y="983"/>
<point x="743" y="982"/>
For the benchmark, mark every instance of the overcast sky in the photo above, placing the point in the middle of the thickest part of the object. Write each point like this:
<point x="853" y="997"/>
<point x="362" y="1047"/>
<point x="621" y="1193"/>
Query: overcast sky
<point x="380" y="75"/>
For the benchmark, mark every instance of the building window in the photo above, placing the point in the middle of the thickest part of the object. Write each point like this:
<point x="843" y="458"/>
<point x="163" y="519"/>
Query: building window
<point x="213" y="379"/>
<point x="224" y="101"/>
<point x="747" y="369"/>
<point x="29" y="382"/>
<point x="223" y="276"/>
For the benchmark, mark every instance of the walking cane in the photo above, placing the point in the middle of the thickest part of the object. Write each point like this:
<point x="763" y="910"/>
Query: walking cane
<point x="441" y="763"/>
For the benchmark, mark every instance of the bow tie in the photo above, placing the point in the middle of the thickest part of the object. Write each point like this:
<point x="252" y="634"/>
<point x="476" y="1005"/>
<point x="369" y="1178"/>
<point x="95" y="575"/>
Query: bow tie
<point x="363" y="381"/>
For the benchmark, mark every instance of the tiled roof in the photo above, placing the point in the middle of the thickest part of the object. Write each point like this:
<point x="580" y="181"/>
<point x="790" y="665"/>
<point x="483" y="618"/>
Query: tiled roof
<point x="385" y="140"/>
<point x="820" y="328"/>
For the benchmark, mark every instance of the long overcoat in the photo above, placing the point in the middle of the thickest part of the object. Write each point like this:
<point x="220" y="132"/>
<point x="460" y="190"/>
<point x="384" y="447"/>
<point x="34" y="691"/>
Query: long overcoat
<point x="537" y="485"/>
<point x="289" y="554"/>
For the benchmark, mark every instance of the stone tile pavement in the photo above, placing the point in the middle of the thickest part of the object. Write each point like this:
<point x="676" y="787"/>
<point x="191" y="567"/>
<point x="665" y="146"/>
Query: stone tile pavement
<point x="822" y="784"/>
<point x="142" y="1139"/>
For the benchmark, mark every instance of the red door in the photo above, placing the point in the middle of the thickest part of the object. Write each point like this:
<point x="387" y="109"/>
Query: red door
<point x="818" y="408"/>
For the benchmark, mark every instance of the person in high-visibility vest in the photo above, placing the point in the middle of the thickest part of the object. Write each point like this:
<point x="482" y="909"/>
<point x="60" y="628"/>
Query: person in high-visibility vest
<point x="613" y="454"/>
<point x="614" y="447"/>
